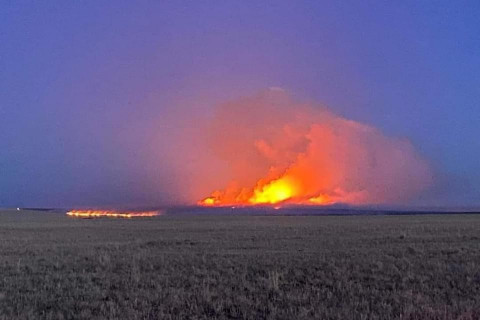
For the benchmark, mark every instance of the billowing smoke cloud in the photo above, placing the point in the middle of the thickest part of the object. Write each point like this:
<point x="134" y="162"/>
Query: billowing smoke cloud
<point x="280" y="151"/>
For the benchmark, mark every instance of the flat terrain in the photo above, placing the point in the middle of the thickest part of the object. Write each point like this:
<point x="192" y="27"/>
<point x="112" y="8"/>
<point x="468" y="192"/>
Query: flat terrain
<point x="242" y="267"/>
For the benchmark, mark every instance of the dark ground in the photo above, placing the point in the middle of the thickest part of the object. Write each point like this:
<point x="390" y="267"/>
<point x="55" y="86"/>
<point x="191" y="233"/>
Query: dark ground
<point x="239" y="267"/>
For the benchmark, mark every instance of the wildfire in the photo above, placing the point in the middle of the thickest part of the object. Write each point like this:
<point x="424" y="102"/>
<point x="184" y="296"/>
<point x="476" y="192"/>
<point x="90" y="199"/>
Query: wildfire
<point x="274" y="192"/>
<point x="281" y="152"/>
<point x="277" y="191"/>
<point x="110" y="214"/>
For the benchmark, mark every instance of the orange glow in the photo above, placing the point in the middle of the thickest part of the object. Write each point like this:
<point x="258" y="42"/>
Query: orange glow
<point x="278" y="152"/>
<point x="321" y="199"/>
<point x="274" y="192"/>
<point x="210" y="201"/>
<point x="110" y="214"/>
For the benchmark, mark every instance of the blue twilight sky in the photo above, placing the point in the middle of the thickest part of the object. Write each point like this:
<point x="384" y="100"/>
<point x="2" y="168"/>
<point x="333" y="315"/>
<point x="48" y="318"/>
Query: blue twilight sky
<point x="90" y="90"/>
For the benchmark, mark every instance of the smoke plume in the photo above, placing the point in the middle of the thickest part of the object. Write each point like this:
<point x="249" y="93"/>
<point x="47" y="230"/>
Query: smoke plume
<point x="279" y="151"/>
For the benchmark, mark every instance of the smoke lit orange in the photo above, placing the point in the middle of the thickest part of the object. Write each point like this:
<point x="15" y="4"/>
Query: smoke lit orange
<point x="110" y="214"/>
<point x="281" y="152"/>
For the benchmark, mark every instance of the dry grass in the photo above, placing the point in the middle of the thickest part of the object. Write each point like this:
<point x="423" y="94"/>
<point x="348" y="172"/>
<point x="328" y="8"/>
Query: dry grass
<point x="240" y="267"/>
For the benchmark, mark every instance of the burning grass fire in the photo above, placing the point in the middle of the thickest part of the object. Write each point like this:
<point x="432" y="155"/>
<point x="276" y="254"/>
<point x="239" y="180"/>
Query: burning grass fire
<point x="111" y="214"/>
<point x="278" y="151"/>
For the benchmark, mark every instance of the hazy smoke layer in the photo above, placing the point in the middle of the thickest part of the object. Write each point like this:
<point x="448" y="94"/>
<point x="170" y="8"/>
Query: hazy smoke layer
<point x="279" y="151"/>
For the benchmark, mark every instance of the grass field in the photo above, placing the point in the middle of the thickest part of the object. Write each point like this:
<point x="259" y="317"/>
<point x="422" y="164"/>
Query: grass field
<point x="240" y="267"/>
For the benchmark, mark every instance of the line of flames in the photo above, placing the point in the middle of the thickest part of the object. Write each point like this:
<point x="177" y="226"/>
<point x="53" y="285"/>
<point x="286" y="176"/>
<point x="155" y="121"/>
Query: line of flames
<point x="110" y="214"/>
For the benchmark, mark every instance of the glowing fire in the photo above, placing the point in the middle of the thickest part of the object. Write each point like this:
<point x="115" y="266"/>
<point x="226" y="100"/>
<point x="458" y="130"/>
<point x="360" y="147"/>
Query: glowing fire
<point x="280" y="152"/>
<point x="110" y="214"/>
<point x="275" y="192"/>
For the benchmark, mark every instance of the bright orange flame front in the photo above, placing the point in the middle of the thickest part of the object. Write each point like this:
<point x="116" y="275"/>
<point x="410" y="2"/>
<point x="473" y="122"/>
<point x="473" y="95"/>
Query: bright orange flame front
<point x="110" y="214"/>
<point x="210" y="201"/>
<point x="274" y="192"/>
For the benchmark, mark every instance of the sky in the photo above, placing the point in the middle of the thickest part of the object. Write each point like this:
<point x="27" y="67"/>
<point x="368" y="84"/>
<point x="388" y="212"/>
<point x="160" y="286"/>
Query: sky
<point x="96" y="97"/>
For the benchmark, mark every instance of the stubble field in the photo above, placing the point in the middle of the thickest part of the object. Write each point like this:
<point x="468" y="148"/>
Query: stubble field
<point x="239" y="267"/>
